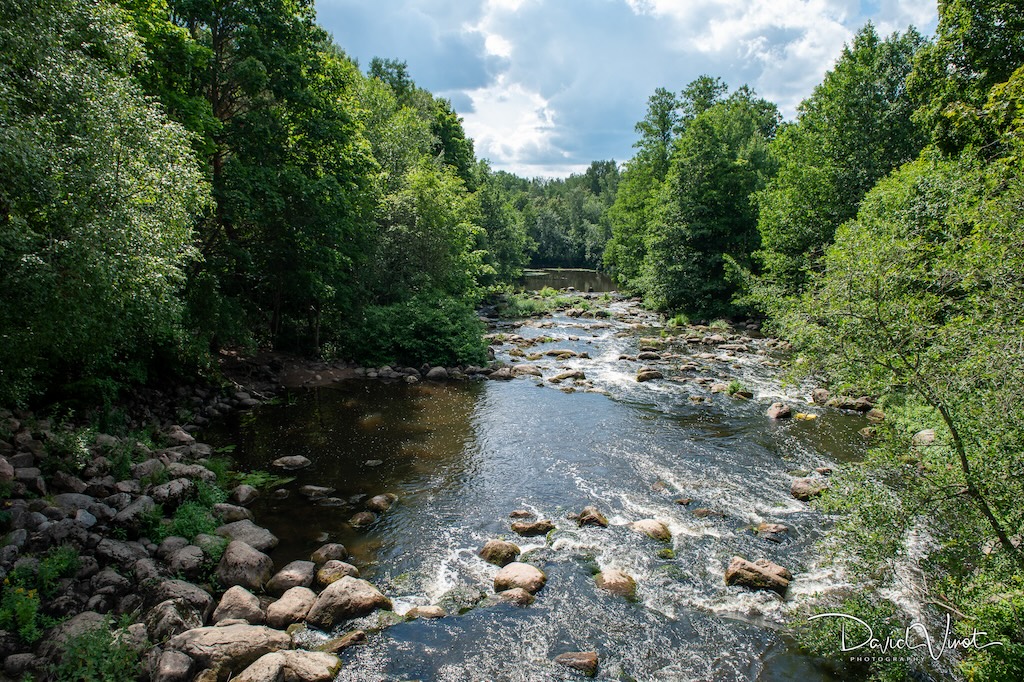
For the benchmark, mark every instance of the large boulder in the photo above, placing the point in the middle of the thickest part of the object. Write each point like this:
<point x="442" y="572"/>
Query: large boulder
<point x="292" y="666"/>
<point x="171" y="666"/>
<point x="248" y="532"/>
<point x="344" y="599"/>
<point x="245" y="566"/>
<point x="239" y="603"/>
<point x="196" y="597"/>
<point x="229" y="649"/>
<point x="332" y="550"/>
<point x="499" y="552"/>
<point x="333" y="571"/>
<point x="758" y="575"/>
<point x="53" y="645"/>
<point x="617" y="582"/>
<point x="652" y="529"/>
<point x="294" y="574"/>
<point x="381" y="503"/>
<point x="292" y="607"/>
<point x="518" y="574"/>
<point x="171" y="617"/>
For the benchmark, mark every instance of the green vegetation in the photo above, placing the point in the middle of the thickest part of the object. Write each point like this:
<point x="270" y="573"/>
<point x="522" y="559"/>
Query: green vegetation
<point x="20" y="600"/>
<point x="99" y="654"/>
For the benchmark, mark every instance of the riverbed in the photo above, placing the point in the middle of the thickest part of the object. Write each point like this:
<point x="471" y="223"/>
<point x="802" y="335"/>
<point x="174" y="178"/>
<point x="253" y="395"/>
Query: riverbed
<point x="462" y="455"/>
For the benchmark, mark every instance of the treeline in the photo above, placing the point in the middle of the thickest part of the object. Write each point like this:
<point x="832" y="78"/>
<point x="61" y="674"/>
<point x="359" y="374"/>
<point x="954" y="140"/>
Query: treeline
<point x="180" y="176"/>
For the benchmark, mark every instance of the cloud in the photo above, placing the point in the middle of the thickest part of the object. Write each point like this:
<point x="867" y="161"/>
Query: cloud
<point x="550" y="85"/>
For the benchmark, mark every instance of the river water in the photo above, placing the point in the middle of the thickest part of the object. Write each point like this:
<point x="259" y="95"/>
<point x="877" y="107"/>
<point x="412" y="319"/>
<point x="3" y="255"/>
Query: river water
<point x="462" y="455"/>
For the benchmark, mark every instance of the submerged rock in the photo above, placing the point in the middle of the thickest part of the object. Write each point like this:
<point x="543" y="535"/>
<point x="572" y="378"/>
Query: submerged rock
<point x="499" y="552"/>
<point x="292" y="462"/>
<point x="590" y="516"/>
<point x="583" y="661"/>
<point x="779" y="411"/>
<point x="758" y="575"/>
<point x="653" y="529"/>
<point x="516" y="574"/>
<point x="617" y="582"/>
<point x="527" y="529"/>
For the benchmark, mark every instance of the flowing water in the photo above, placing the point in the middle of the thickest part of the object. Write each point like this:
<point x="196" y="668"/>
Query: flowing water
<point x="462" y="455"/>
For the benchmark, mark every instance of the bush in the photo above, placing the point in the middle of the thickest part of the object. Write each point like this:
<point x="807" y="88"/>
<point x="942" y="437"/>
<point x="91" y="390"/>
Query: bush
<point x="97" y="655"/>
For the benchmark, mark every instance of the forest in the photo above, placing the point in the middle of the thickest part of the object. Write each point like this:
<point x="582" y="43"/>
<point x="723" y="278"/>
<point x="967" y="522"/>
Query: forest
<point x="183" y="176"/>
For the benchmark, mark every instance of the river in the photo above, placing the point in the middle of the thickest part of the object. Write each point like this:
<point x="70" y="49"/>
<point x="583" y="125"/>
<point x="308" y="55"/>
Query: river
<point x="461" y="456"/>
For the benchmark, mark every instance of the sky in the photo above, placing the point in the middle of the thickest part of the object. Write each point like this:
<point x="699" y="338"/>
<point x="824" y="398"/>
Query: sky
<point x="544" y="87"/>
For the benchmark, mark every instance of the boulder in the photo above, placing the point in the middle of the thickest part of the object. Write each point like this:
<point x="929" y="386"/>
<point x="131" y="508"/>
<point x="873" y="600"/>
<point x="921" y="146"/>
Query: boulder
<point x="428" y="612"/>
<point x="172" y="666"/>
<point x="333" y="571"/>
<point x="779" y="411"/>
<point x="132" y="516"/>
<point x="245" y="566"/>
<point x="820" y="396"/>
<point x="758" y="575"/>
<point x="294" y="574"/>
<point x="808" y="488"/>
<point x="344" y="599"/>
<point x="569" y="374"/>
<point x="499" y="552"/>
<point x="617" y="582"/>
<point x="292" y="607"/>
<point x="381" y="503"/>
<point x="244" y="494"/>
<point x="517" y="574"/>
<point x="179" y="436"/>
<point x="248" y="532"/>
<point x="292" y="462"/>
<point x="527" y="370"/>
<point x="648" y="374"/>
<point x="775" y="532"/>
<point x="292" y="666"/>
<point x="652" y="529"/>
<point x="332" y="550"/>
<point x="531" y="528"/>
<point x="517" y="596"/>
<point x="196" y="597"/>
<point x="239" y="603"/>
<point x="437" y="374"/>
<point x="187" y="561"/>
<point x="171" y="617"/>
<point x="172" y="492"/>
<point x="923" y="438"/>
<point x="590" y="516"/>
<point x="339" y="644"/>
<point x="231" y="512"/>
<point x="363" y="519"/>
<point x="229" y="649"/>
<point x="583" y="661"/>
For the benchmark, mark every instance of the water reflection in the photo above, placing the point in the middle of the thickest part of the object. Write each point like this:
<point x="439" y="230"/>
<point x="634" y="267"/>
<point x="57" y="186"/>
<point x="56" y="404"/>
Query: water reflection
<point x="559" y="278"/>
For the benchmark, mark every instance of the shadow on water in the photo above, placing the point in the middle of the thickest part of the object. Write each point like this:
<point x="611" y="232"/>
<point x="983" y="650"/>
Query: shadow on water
<point x="580" y="280"/>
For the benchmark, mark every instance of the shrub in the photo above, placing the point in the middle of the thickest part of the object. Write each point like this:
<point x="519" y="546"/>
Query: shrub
<point x="97" y="655"/>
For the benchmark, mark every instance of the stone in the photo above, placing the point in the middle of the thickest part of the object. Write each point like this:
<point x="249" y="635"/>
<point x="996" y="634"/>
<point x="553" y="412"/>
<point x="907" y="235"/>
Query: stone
<point x="292" y="462"/>
<point x="528" y="529"/>
<point x="172" y="492"/>
<point x="315" y="492"/>
<point x="294" y="574"/>
<point x="499" y="552"/>
<point x="648" y="374"/>
<point x="779" y="411"/>
<point x="239" y="603"/>
<point x="758" y="575"/>
<point x="428" y="612"/>
<point x="517" y="596"/>
<point x="292" y="666"/>
<point x="363" y="519"/>
<point x="518" y="574"/>
<point x="923" y="438"/>
<point x="179" y="436"/>
<point x="575" y="374"/>
<point x="244" y="494"/>
<point x="229" y="649"/>
<point x="590" y="516"/>
<point x="172" y="666"/>
<point x="248" y="532"/>
<point x="171" y="617"/>
<point x="228" y="513"/>
<point x="775" y="532"/>
<point x="820" y="396"/>
<point x="131" y="517"/>
<point x="527" y="370"/>
<point x="245" y="566"/>
<point x="292" y="607"/>
<point x="331" y="550"/>
<point x="583" y="661"/>
<point x="437" y="374"/>
<point x="381" y="503"/>
<point x="617" y="582"/>
<point x="187" y="561"/>
<point x="875" y="415"/>
<point x="339" y="644"/>
<point x="805" y="489"/>
<point x="461" y="599"/>
<point x="196" y="597"/>
<point x="53" y="645"/>
<point x="653" y="529"/>
<point x="334" y="570"/>
<point x="344" y="599"/>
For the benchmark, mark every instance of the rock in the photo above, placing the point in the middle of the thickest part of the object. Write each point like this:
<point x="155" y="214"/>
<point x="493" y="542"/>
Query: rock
<point x="381" y="503"/>
<point x="517" y="574"/>
<point x="244" y="494"/>
<point x="172" y="666"/>
<point x="292" y="462"/>
<point x="331" y="550"/>
<point x="428" y="612"/>
<point x="437" y="374"/>
<point x="779" y="411"/>
<point x="527" y="370"/>
<point x="501" y="374"/>
<point x="245" y="566"/>
<point x="775" y="532"/>
<point x="652" y="529"/>
<point x="187" y="561"/>
<point x="172" y="492"/>
<point x="820" y="396"/>
<point x="248" y="532"/>
<point x="521" y="514"/>
<point x="292" y="607"/>
<point x="499" y="552"/>
<point x="875" y="415"/>
<point x="132" y="516"/>
<point x="528" y="529"/>
<point x="124" y="554"/>
<point x="648" y="355"/>
<point x="583" y="661"/>
<point x="240" y="604"/>
<point x="344" y="599"/>
<point x="759" y="575"/>
<point x="229" y="513"/>
<point x="196" y="597"/>
<point x="363" y="519"/>
<point x="294" y="574"/>
<point x="53" y="645"/>
<point x="461" y="599"/>
<point x="315" y="492"/>
<point x="648" y="374"/>
<point x="517" y="596"/>
<point x="339" y="644"/>
<point x="923" y="438"/>
<point x="590" y="516"/>
<point x="570" y="374"/>
<point x="617" y="582"/>
<point x="334" y="570"/>
<point x="292" y="666"/>
<point x="179" y="436"/>
<point x="808" y="488"/>
<point x="171" y="617"/>
<point x="229" y="649"/>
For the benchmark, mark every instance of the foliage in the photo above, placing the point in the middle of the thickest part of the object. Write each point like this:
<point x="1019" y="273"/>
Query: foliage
<point x="100" y="654"/>
<point x="22" y="589"/>
<point x="19" y="612"/>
